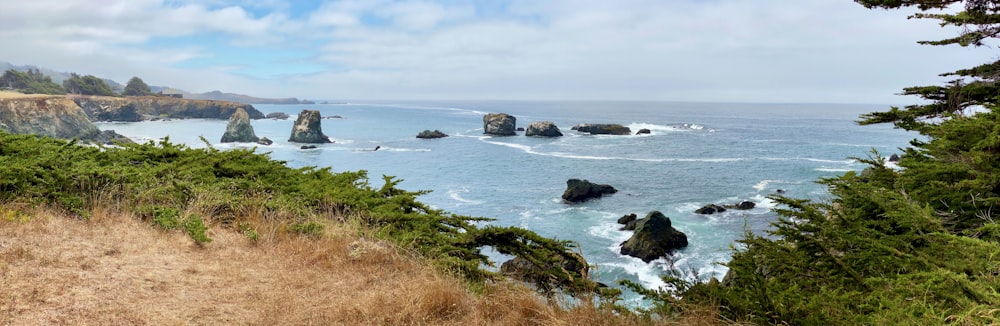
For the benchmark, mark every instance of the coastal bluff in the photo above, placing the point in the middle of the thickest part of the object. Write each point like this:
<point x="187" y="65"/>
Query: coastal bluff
<point x="48" y="115"/>
<point x="139" y="108"/>
<point x="69" y="116"/>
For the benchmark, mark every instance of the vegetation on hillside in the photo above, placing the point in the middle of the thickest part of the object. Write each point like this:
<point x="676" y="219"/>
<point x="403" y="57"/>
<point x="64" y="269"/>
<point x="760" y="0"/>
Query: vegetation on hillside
<point x="136" y="87"/>
<point x="30" y="82"/>
<point x="176" y="187"/>
<point x="919" y="245"/>
<point x="87" y="85"/>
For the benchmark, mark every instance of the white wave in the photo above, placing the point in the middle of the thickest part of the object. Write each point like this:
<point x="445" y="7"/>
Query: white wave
<point x="456" y="195"/>
<point x="832" y="170"/>
<point x="764" y="202"/>
<point x="810" y="159"/>
<point x="760" y="186"/>
<point x="531" y="150"/>
<point x="648" y="274"/>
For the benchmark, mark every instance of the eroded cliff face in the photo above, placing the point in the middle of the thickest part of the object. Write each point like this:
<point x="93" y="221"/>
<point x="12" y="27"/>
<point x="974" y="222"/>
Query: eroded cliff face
<point x="53" y="116"/>
<point x="100" y="108"/>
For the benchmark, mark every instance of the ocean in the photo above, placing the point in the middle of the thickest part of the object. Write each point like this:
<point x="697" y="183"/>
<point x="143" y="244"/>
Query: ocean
<point x="696" y="154"/>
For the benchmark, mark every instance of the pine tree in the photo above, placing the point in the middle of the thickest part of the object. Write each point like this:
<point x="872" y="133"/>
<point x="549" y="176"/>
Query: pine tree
<point x="136" y="87"/>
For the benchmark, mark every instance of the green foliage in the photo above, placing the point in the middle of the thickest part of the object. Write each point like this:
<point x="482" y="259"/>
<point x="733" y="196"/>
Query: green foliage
<point x="196" y="228"/>
<point x="30" y="82"/>
<point x="163" y="181"/>
<point x="87" y="85"/>
<point x="307" y="228"/>
<point x="136" y="87"/>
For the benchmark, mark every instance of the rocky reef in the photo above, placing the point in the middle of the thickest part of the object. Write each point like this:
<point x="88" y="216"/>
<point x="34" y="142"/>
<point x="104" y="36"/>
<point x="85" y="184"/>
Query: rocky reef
<point x="603" y="129"/>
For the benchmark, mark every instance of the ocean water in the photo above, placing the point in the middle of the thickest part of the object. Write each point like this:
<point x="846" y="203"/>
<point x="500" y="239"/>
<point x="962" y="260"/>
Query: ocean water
<point x="697" y="154"/>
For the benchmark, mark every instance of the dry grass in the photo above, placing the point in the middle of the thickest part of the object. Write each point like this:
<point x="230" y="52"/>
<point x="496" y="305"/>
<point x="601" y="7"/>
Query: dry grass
<point x="14" y="95"/>
<point x="115" y="269"/>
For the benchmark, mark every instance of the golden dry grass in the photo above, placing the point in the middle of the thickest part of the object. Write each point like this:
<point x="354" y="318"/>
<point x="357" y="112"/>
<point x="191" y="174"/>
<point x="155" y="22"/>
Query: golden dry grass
<point x="116" y="269"/>
<point x="14" y="95"/>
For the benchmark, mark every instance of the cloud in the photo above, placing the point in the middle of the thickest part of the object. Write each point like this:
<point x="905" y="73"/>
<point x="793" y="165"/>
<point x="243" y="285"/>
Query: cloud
<point x="720" y="50"/>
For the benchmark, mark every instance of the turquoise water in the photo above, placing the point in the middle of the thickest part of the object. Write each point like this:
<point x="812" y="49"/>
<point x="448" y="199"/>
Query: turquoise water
<point x="698" y="153"/>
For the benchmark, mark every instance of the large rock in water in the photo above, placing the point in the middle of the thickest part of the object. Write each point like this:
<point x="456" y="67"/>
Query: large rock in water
<point x="543" y="129"/>
<point x="307" y="129"/>
<point x="239" y="130"/>
<point x="603" y="129"/>
<point x="654" y="237"/>
<point x="499" y="124"/>
<point x="428" y="134"/>
<point x="582" y="190"/>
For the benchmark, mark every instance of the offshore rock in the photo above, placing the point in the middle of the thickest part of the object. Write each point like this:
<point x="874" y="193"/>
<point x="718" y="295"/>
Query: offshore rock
<point x="524" y="270"/>
<point x="428" y="134"/>
<point x="499" y="124"/>
<point x="710" y="209"/>
<point x="582" y="190"/>
<point x="239" y="130"/>
<point x="138" y="108"/>
<point x="265" y="141"/>
<point x="643" y="131"/>
<point x="307" y="129"/>
<point x="603" y="129"/>
<point x="543" y="129"/>
<point x="277" y="116"/>
<point x="628" y="222"/>
<point x="654" y="237"/>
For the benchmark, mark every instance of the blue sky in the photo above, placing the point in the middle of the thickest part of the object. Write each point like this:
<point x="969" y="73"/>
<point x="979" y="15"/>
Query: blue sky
<point x="673" y="50"/>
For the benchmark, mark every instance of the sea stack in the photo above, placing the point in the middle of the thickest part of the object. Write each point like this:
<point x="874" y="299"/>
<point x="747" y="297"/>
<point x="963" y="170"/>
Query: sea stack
<point x="239" y="130"/>
<point x="543" y="129"/>
<point x="654" y="237"/>
<point x="499" y="124"/>
<point x="307" y="129"/>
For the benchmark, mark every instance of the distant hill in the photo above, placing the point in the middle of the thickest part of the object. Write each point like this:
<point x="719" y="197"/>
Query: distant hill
<point x="59" y="77"/>
<point x="220" y="96"/>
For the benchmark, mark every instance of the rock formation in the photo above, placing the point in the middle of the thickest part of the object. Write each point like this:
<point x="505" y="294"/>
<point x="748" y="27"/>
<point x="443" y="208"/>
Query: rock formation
<point x="603" y="129"/>
<point x="523" y="269"/>
<point x="643" y="131"/>
<point x="51" y="116"/>
<point x="654" y="237"/>
<point x="582" y="190"/>
<point x="543" y="129"/>
<point x="745" y="205"/>
<point x="277" y="116"/>
<point x="499" y="124"/>
<point x="265" y="141"/>
<point x="239" y="130"/>
<point x="307" y="129"/>
<point x="628" y="222"/>
<point x="138" y="108"/>
<point x="710" y="209"/>
<point x="427" y="134"/>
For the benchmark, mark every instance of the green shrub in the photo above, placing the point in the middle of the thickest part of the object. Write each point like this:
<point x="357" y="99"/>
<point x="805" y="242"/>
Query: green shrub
<point x="196" y="228"/>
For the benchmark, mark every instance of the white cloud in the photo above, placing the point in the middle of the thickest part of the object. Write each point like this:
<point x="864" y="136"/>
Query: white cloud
<point x="722" y="50"/>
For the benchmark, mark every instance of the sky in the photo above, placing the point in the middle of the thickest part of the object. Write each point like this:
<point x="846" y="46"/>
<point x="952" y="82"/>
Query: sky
<point x="779" y="51"/>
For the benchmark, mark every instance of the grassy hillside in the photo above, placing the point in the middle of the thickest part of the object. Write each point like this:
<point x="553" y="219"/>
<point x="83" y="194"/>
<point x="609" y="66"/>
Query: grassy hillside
<point x="165" y="234"/>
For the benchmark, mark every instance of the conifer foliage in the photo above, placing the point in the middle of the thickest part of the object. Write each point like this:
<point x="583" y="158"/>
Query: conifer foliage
<point x="917" y="245"/>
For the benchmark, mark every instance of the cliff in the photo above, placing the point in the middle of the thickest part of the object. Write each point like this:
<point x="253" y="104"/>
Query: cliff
<point x="52" y="116"/>
<point x="140" y="108"/>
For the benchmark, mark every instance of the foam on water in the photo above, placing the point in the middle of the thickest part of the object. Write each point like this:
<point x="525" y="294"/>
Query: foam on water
<point x="456" y="194"/>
